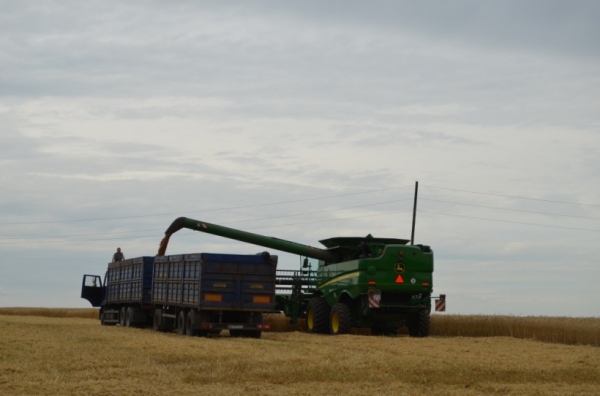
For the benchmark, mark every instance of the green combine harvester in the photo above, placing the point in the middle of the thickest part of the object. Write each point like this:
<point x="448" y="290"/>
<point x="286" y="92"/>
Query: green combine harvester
<point x="380" y="283"/>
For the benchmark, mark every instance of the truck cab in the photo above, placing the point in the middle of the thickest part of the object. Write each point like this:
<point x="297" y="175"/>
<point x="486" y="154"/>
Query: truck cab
<point x="93" y="290"/>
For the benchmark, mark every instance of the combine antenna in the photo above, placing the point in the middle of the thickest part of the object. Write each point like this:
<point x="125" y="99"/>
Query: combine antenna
<point x="412" y="234"/>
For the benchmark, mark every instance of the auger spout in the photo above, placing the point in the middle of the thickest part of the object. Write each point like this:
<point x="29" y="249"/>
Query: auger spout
<point x="249" y="237"/>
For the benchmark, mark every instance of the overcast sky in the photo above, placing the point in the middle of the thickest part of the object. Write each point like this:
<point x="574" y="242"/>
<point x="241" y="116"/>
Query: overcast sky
<point x="305" y="121"/>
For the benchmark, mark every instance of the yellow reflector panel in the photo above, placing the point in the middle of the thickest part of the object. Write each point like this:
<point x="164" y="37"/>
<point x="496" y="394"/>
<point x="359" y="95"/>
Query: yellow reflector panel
<point x="213" y="297"/>
<point x="261" y="299"/>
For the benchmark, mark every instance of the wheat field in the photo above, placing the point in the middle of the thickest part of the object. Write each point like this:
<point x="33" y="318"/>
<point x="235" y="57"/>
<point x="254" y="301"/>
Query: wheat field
<point x="562" y="330"/>
<point x="76" y="356"/>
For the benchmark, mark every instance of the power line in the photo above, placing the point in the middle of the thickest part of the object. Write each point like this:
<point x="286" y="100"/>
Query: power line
<point x="78" y="235"/>
<point x="252" y="228"/>
<point x="204" y="210"/>
<point x="512" y="196"/>
<point x="511" y="210"/>
<point x="512" y="222"/>
<point x="231" y="222"/>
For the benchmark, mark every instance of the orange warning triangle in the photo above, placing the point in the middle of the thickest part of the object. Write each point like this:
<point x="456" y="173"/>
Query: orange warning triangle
<point x="399" y="279"/>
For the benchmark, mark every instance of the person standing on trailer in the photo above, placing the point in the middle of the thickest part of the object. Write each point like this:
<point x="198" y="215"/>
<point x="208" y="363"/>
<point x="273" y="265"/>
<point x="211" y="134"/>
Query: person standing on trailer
<point x="118" y="256"/>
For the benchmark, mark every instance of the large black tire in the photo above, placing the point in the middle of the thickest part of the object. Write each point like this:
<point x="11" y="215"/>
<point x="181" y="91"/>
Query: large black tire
<point x="340" y="319"/>
<point x="190" y="323"/>
<point x="102" y="322"/>
<point x="317" y="315"/>
<point x="129" y="317"/>
<point x="418" y="325"/>
<point x="122" y="314"/>
<point x="181" y="323"/>
<point x="158" y="322"/>
<point x="258" y="319"/>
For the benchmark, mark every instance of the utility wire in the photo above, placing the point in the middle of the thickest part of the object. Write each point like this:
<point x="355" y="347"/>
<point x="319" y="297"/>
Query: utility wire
<point x="231" y="222"/>
<point x="510" y="210"/>
<point x="507" y="221"/>
<point x="205" y="210"/>
<point x="253" y="228"/>
<point x="511" y="196"/>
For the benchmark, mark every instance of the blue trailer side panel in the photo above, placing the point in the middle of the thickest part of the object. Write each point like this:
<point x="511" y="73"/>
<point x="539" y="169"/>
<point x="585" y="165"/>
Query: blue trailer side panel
<point x="215" y="281"/>
<point x="130" y="281"/>
<point x="243" y="282"/>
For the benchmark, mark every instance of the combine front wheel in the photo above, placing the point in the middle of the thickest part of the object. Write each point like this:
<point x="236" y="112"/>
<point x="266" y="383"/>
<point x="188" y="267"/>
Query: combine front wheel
<point x="340" y="319"/>
<point x="317" y="315"/>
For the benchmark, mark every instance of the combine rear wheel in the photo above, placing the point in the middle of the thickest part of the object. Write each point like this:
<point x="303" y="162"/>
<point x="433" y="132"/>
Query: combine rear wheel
<point x="317" y="315"/>
<point x="418" y="325"/>
<point x="340" y="319"/>
<point x="181" y="323"/>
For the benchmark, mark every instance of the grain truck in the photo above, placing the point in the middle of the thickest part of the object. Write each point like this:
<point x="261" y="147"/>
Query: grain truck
<point x="196" y="294"/>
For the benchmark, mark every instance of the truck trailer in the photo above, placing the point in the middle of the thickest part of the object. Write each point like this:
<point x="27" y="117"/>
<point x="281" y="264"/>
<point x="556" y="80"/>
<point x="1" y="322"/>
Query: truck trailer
<point x="196" y="294"/>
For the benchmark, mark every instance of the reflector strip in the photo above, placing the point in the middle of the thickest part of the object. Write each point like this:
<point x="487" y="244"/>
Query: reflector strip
<point x="261" y="299"/>
<point x="399" y="279"/>
<point x="373" y="303"/>
<point x="440" y="305"/>
<point x="213" y="297"/>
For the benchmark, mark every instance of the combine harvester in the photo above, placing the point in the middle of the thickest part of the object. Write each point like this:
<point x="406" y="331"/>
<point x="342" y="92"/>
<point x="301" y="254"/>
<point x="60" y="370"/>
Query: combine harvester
<point x="379" y="283"/>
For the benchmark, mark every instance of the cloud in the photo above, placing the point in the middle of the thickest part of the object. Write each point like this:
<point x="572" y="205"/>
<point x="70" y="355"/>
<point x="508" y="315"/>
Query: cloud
<point x="299" y="120"/>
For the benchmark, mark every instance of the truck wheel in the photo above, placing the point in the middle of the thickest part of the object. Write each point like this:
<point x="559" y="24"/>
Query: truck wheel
<point x="258" y="319"/>
<point x="190" y="323"/>
<point x="418" y="325"/>
<point x="122" y="314"/>
<point x="129" y="317"/>
<point x="317" y="315"/>
<point x="340" y="319"/>
<point x="157" y="320"/>
<point x="181" y="323"/>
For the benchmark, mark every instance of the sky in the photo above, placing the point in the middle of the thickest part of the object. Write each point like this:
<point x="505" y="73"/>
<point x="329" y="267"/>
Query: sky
<point x="305" y="121"/>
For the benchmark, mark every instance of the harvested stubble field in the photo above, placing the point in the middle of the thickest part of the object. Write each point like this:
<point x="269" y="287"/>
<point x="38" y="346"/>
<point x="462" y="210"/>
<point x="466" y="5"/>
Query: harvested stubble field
<point x="51" y="355"/>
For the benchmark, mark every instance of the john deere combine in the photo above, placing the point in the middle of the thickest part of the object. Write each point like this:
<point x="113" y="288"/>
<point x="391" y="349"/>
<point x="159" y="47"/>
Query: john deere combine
<point x="380" y="283"/>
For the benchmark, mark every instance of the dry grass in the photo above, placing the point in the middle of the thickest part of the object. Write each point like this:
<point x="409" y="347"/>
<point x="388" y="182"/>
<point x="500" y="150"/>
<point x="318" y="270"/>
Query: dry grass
<point x="571" y="331"/>
<point x="49" y="356"/>
<point x="86" y="313"/>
